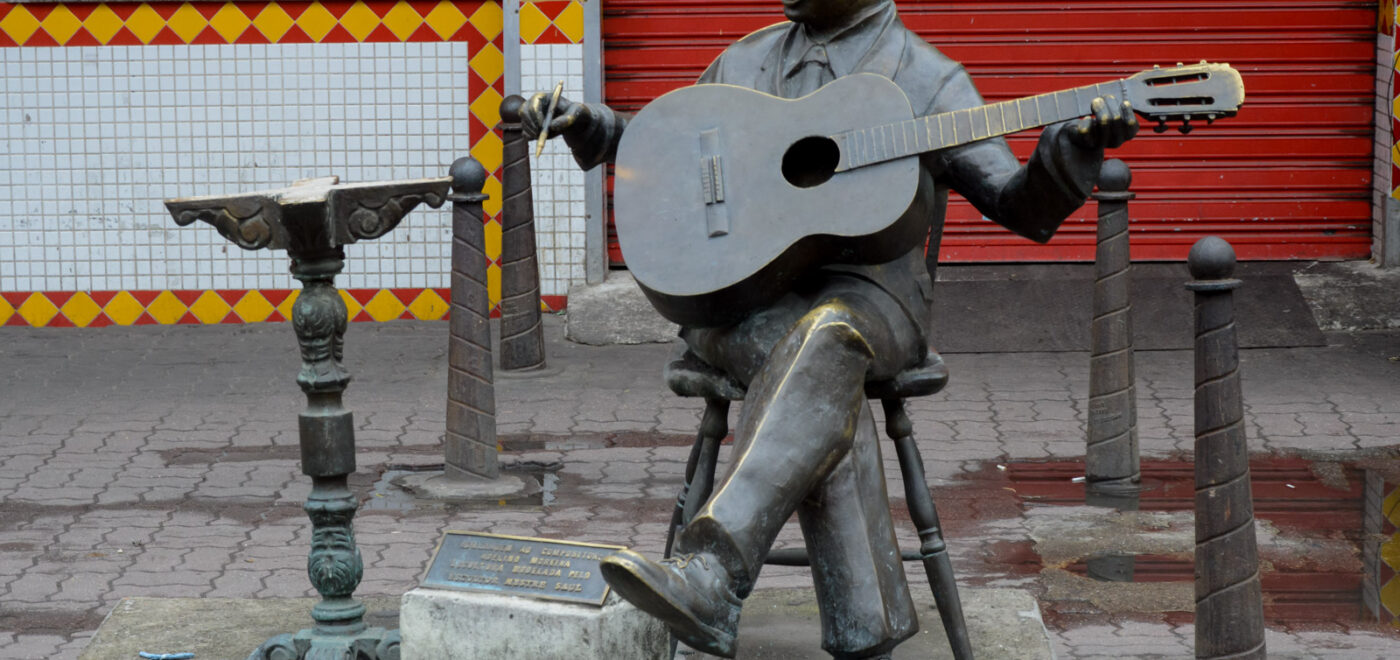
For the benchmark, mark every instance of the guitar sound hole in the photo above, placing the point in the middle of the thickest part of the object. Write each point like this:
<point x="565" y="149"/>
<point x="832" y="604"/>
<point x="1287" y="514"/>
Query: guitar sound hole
<point x="811" y="161"/>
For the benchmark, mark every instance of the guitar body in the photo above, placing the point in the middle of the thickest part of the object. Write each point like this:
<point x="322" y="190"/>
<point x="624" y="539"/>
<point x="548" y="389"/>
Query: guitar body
<point x="725" y="196"/>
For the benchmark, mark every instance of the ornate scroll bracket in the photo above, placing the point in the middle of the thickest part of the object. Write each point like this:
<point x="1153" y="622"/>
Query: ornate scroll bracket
<point x="242" y="221"/>
<point x="371" y="212"/>
<point x="340" y="214"/>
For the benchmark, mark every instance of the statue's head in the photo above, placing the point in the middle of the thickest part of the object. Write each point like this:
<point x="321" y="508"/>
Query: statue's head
<point x="824" y="13"/>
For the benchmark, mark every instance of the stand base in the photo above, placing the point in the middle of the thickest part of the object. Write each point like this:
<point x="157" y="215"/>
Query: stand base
<point x="368" y="644"/>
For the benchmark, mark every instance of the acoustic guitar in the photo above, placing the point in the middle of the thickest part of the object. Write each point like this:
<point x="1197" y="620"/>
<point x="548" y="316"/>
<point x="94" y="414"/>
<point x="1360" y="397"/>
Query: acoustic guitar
<point x="724" y="196"/>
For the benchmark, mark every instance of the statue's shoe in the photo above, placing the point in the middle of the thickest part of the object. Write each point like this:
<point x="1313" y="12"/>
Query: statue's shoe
<point x="689" y="593"/>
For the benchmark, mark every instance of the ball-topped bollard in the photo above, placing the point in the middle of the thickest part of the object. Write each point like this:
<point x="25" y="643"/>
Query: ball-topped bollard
<point x="1111" y="457"/>
<point x="470" y="445"/>
<point x="1229" y="600"/>
<point x="468" y="176"/>
<point x="522" y="328"/>
<point x="1211" y="258"/>
<point x="510" y="108"/>
<point x="1115" y="176"/>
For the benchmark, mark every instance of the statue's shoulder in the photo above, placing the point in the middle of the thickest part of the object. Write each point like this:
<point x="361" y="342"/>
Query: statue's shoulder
<point x="923" y="60"/>
<point x="762" y="40"/>
<point x="924" y="70"/>
<point x="745" y="58"/>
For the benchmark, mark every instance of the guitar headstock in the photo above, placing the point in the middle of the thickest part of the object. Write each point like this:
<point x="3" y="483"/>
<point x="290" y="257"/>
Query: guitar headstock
<point x="1191" y="92"/>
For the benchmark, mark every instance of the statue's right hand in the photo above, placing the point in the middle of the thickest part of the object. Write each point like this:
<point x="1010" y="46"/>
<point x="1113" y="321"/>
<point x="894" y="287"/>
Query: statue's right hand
<point x="569" y="117"/>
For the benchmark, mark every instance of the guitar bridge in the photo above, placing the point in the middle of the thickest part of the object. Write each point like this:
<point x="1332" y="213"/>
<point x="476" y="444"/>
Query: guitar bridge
<point x="712" y="184"/>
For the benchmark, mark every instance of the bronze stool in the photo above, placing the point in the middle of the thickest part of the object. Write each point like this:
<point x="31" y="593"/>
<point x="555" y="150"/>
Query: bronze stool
<point x="689" y="376"/>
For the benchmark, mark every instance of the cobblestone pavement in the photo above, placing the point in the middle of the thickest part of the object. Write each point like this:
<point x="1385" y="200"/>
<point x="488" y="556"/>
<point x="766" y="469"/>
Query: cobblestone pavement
<point x="162" y="461"/>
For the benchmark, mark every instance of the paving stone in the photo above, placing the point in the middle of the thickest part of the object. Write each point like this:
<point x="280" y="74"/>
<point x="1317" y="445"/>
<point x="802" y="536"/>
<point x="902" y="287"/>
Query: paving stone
<point x="33" y="587"/>
<point x="34" y="646"/>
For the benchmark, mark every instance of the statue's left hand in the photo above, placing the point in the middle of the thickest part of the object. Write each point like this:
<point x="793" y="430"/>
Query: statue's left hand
<point x="1108" y="125"/>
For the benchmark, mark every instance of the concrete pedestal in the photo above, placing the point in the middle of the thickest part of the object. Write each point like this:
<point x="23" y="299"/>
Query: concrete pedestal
<point x="458" y="625"/>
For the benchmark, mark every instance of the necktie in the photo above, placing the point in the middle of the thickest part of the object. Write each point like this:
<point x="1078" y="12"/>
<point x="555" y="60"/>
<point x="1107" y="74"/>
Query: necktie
<point x="810" y="74"/>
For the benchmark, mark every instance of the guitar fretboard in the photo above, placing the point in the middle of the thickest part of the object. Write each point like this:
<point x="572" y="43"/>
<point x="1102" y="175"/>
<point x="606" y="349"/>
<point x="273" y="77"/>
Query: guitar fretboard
<point x="878" y="144"/>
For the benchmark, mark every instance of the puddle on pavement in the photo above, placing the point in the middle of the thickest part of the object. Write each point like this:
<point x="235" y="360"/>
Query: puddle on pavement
<point x="1314" y="511"/>
<point x="386" y="496"/>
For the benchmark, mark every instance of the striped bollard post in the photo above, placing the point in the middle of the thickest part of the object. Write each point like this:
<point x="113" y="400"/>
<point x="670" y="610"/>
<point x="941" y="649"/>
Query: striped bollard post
<point x="1111" y="460"/>
<point x="470" y="447"/>
<point x="1229" y="601"/>
<point x="522" y="333"/>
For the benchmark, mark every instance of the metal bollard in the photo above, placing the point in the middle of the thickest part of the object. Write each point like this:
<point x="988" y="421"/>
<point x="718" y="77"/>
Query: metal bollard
<point x="1111" y="460"/>
<point x="522" y="334"/>
<point x="470" y="448"/>
<point x="1229" y="600"/>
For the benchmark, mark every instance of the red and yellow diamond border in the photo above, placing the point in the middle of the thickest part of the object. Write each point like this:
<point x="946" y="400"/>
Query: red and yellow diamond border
<point x="96" y="309"/>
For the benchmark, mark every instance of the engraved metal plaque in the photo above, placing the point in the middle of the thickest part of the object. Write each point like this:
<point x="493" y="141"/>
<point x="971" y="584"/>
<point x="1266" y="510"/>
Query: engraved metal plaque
<point x="519" y="566"/>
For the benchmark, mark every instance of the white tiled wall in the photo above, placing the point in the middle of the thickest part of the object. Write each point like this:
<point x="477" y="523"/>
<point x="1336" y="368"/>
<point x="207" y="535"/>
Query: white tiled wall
<point x="557" y="181"/>
<point x="93" y="138"/>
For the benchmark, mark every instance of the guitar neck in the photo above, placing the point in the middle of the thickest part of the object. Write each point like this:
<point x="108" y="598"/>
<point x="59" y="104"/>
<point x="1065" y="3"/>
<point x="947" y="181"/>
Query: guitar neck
<point x="877" y="144"/>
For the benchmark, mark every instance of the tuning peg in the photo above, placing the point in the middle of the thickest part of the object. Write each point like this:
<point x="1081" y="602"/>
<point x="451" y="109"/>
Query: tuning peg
<point x="1156" y="66"/>
<point x="1186" y="126"/>
<point x="1210" y="118"/>
<point x="1161" y="126"/>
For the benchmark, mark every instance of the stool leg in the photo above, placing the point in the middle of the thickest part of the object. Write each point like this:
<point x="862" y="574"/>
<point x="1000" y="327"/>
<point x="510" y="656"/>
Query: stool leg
<point x="921" y="509"/>
<point x="700" y="467"/>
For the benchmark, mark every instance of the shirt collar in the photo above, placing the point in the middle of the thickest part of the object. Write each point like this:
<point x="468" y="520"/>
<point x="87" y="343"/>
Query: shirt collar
<point x="846" y="46"/>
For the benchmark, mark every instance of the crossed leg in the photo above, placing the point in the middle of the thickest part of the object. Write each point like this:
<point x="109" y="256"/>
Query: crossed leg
<point x="805" y="443"/>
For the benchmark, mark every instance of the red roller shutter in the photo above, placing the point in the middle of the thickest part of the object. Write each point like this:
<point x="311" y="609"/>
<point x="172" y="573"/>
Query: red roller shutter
<point x="1289" y="178"/>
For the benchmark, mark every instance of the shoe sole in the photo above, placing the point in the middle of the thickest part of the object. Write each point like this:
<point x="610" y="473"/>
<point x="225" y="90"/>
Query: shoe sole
<point x="624" y="577"/>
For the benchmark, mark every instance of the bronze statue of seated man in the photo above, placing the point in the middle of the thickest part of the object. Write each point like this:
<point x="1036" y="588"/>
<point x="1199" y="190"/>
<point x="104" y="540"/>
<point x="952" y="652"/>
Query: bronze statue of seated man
<point x="806" y="441"/>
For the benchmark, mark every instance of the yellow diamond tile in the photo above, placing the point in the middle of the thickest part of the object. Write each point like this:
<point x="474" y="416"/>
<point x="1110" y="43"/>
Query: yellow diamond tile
<point x="6" y="311"/>
<point x="446" y="19"/>
<point x="209" y="308"/>
<point x="570" y="22"/>
<point x="103" y="23"/>
<point x="487" y="108"/>
<point x="493" y="284"/>
<point x="273" y="22"/>
<point x="428" y="306"/>
<point x="81" y="309"/>
<point x="359" y="21"/>
<point x="61" y="24"/>
<point x="384" y="306"/>
<point x="253" y="308"/>
<point x="1391" y="506"/>
<point x="123" y="308"/>
<point x="145" y="23"/>
<point x="316" y="22"/>
<point x="489" y="64"/>
<point x="20" y="24"/>
<point x="533" y="23"/>
<point x="493" y="239"/>
<point x="493" y="203"/>
<point x="37" y="310"/>
<point x="488" y="20"/>
<point x="187" y="22"/>
<point x="230" y="22"/>
<point x="402" y="21"/>
<point x="1390" y="552"/>
<point x="166" y="309"/>
<point x="1390" y="596"/>
<point x="285" y="308"/>
<point x="352" y="306"/>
